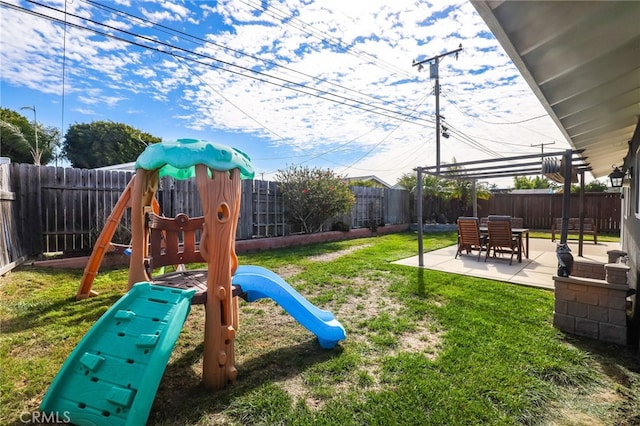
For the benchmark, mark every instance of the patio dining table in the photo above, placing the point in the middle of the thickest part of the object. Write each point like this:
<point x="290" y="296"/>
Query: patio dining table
<point x="519" y="233"/>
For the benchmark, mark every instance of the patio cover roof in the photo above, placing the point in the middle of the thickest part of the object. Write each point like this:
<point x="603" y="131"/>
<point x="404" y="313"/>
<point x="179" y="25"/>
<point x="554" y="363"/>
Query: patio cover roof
<point x="549" y="164"/>
<point x="582" y="60"/>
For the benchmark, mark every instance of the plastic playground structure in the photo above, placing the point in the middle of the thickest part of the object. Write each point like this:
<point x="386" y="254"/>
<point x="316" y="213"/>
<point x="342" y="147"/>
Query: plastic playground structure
<point x="113" y="374"/>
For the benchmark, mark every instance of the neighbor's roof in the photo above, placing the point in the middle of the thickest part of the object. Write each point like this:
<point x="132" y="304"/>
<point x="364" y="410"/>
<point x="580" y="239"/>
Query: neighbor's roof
<point x="367" y="178"/>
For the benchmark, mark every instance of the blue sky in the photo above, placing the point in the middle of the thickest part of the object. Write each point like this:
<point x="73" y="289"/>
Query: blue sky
<point x="323" y="83"/>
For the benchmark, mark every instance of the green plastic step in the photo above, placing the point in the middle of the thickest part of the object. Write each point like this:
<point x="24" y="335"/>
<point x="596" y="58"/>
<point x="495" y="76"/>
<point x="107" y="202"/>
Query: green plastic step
<point x="112" y="376"/>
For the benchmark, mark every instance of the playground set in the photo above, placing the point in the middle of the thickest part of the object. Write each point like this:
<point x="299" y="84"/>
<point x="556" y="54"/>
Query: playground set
<point x="113" y="374"/>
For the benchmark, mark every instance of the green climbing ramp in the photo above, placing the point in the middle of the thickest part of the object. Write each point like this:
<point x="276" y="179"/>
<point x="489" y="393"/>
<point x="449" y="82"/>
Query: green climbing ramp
<point x="112" y="376"/>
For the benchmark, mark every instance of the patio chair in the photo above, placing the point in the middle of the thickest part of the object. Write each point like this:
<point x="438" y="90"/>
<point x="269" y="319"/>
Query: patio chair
<point x="517" y="222"/>
<point x="501" y="239"/>
<point x="469" y="237"/>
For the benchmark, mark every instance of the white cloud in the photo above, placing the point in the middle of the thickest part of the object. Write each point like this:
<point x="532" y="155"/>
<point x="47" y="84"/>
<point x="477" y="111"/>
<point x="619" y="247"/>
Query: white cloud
<point x="358" y="54"/>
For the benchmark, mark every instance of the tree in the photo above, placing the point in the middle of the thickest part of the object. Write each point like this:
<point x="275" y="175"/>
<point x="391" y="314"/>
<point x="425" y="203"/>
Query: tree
<point x="365" y="183"/>
<point x="593" y="186"/>
<point x="523" y="182"/>
<point x="18" y="139"/>
<point x="313" y="196"/>
<point x="435" y="194"/>
<point x="462" y="190"/>
<point x="408" y="182"/>
<point x="104" y="143"/>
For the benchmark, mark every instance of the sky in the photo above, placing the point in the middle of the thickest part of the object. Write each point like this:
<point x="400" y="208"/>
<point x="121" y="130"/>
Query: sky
<point x="327" y="83"/>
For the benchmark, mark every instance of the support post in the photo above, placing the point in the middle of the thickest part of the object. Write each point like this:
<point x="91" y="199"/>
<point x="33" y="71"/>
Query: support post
<point x="437" y="92"/>
<point x="581" y="231"/>
<point x="220" y="194"/>
<point x="566" y="196"/>
<point x="474" y="194"/>
<point x="419" y="216"/>
<point x="143" y="192"/>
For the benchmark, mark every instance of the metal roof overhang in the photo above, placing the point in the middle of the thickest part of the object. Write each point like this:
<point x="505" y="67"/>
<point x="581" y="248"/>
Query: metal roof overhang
<point x="582" y="60"/>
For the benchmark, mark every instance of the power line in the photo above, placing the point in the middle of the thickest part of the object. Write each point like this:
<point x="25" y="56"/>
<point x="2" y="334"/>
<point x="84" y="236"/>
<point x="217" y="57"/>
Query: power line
<point x="182" y="34"/>
<point x="456" y="102"/>
<point x="477" y="117"/>
<point x="308" y="29"/>
<point x="283" y="83"/>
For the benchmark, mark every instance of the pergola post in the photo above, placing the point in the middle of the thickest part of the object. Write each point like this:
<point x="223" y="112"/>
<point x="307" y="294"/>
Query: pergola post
<point x="566" y="196"/>
<point x="474" y="194"/>
<point x="581" y="236"/>
<point x="419" y="216"/>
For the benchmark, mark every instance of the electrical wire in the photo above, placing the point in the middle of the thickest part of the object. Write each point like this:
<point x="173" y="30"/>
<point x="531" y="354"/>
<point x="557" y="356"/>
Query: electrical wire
<point x="284" y="83"/>
<point x="455" y="102"/>
<point x="183" y="55"/>
<point x="308" y="29"/>
<point x="184" y="35"/>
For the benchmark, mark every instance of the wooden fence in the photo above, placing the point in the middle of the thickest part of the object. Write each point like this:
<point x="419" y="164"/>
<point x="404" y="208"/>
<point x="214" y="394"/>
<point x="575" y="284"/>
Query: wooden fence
<point x="63" y="209"/>
<point x="10" y="247"/>
<point x="539" y="210"/>
<point x="55" y="209"/>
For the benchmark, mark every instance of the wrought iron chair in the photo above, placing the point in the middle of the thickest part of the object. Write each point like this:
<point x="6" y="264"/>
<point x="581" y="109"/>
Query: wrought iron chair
<point x="469" y="237"/>
<point x="501" y="239"/>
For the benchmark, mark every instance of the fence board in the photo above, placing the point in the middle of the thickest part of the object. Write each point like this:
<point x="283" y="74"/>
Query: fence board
<point x="29" y="203"/>
<point x="64" y="209"/>
<point x="245" y="218"/>
<point x="268" y="210"/>
<point x="539" y="210"/>
<point x="367" y="211"/>
<point x="396" y="206"/>
<point x="10" y="247"/>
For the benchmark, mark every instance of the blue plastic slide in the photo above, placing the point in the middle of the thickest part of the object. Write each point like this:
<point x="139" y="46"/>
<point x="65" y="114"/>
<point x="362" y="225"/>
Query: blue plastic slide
<point x="112" y="376"/>
<point x="259" y="283"/>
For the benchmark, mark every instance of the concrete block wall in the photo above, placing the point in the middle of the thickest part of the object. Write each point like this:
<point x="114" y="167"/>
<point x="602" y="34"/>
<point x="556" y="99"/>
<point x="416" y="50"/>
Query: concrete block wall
<point x="593" y="307"/>
<point x="584" y="269"/>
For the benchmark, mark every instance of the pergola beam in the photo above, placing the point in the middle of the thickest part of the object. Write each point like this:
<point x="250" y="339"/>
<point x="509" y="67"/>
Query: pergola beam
<point x="509" y="159"/>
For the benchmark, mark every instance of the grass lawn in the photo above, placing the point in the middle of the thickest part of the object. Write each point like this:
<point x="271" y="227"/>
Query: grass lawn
<point x="422" y="348"/>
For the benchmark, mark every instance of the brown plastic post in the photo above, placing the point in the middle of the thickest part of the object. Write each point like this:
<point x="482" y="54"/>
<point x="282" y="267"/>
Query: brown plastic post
<point x="103" y="243"/>
<point x="220" y="198"/>
<point x="142" y="197"/>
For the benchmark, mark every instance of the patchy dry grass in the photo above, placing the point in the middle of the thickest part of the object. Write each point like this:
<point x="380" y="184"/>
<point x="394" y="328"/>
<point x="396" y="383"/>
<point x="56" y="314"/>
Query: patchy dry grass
<point x="422" y="347"/>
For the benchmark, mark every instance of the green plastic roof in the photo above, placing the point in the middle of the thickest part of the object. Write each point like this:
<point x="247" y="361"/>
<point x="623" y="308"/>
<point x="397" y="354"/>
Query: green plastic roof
<point x="178" y="158"/>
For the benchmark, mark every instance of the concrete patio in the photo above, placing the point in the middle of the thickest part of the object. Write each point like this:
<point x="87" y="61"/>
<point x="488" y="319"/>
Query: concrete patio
<point x="536" y="271"/>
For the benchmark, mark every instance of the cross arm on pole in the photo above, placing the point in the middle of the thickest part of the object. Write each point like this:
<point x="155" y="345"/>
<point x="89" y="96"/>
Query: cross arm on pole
<point x="424" y="61"/>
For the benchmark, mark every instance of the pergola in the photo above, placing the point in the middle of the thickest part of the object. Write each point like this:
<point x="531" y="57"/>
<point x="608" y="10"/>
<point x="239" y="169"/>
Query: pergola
<point x="554" y="165"/>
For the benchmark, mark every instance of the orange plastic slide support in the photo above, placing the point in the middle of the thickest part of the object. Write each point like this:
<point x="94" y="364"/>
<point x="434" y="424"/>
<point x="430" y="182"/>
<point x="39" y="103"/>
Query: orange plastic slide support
<point x="103" y="243"/>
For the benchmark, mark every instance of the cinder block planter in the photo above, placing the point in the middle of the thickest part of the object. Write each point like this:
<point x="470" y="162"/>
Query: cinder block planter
<point x="593" y="305"/>
<point x="259" y="244"/>
<point x="435" y="227"/>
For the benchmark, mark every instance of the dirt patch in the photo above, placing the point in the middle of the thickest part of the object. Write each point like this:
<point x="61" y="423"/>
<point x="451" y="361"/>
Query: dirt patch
<point x="586" y="408"/>
<point x="370" y="299"/>
<point x="299" y="391"/>
<point x="328" y="257"/>
<point x="376" y="300"/>
<point x="288" y="271"/>
<point x="422" y="340"/>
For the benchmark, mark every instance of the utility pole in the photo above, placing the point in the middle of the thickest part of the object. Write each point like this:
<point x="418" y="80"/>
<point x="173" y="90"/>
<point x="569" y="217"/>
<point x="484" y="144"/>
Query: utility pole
<point x="541" y="145"/>
<point x="435" y="62"/>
